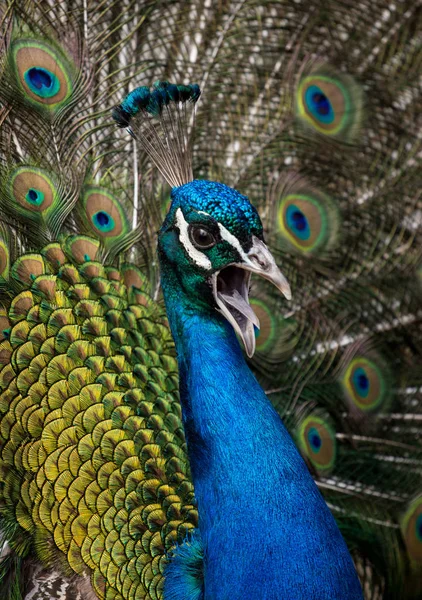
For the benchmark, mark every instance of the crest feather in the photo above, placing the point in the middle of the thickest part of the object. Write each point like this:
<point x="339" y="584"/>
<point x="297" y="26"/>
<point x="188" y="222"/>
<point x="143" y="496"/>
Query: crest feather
<point x="161" y="121"/>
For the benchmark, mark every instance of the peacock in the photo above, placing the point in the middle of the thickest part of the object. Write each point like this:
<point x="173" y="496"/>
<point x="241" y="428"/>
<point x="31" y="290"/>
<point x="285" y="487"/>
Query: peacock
<point x="143" y="453"/>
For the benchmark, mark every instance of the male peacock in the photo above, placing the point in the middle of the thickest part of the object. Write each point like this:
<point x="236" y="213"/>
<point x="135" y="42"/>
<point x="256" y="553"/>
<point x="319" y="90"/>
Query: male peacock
<point x="312" y="110"/>
<point x="256" y="500"/>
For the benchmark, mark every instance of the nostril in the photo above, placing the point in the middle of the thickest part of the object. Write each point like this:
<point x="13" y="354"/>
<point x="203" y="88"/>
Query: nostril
<point x="259" y="259"/>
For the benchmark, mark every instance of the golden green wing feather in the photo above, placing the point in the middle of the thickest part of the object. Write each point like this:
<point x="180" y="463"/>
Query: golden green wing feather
<point x="93" y="456"/>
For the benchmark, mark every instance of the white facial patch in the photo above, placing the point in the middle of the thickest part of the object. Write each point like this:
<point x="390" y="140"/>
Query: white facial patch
<point x="196" y="255"/>
<point x="233" y="241"/>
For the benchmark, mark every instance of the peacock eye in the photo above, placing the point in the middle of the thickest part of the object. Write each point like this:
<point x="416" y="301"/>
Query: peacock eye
<point x="201" y="237"/>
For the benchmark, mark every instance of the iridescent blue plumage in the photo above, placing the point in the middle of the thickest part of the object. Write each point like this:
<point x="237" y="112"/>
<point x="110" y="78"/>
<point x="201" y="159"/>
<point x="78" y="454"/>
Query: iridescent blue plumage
<point x="153" y="101"/>
<point x="319" y="104"/>
<point x="298" y="222"/>
<point x="103" y="221"/>
<point x="42" y="82"/>
<point x="226" y="205"/>
<point x="34" y="196"/>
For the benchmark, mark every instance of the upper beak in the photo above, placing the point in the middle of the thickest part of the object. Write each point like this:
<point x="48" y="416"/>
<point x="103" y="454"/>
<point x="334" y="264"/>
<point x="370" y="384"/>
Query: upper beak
<point x="261" y="261"/>
<point x="231" y="290"/>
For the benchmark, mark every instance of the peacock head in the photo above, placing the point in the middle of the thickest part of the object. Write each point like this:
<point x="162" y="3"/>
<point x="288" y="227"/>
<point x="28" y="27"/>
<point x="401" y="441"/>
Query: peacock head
<point x="212" y="240"/>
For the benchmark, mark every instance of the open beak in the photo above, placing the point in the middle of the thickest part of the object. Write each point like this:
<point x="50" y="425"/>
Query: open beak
<point x="231" y="290"/>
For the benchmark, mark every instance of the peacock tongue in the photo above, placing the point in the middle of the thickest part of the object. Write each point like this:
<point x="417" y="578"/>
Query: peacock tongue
<point x="231" y="291"/>
<point x="240" y="305"/>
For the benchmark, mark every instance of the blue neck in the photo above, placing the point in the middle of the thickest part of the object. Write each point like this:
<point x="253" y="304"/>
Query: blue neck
<point x="267" y="532"/>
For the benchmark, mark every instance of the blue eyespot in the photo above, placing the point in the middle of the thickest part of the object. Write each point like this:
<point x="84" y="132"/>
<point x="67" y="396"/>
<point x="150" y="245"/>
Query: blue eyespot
<point x="314" y="439"/>
<point x="419" y="527"/>
<point x="103" y="221"/>
<point x="35" y="197"/>
<point x="298" y="222"/>
<point x="319" y="105"/>
<point x="42" y="82"/>
<point x="361" y="382"/>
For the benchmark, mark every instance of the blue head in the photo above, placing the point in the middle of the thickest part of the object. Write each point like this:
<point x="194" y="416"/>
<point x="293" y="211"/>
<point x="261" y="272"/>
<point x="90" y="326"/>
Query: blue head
<point x="209" y="244"/>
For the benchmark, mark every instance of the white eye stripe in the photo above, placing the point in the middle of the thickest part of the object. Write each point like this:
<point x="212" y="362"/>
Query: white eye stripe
<point x="196" y="255"/>
<point x="233" y="241"/>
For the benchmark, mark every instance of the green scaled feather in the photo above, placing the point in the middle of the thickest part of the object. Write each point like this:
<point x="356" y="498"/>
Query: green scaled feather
<point x="81" y="248"/>
<point x="27" y="268"/>
<point x="92" y="366"/>
<point x="356" y="280"/>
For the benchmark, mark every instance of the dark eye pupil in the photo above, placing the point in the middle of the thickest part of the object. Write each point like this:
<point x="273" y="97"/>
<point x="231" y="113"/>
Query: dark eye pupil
<point x="202" y="237"/>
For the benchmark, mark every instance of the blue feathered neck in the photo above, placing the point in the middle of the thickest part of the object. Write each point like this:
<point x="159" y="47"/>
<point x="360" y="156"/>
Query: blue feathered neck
<point x="266" y="530"/>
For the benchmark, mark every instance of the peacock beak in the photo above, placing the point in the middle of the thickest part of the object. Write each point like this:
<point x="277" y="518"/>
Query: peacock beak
<point x="261" y="262"/>
<point x="231" y="290"/>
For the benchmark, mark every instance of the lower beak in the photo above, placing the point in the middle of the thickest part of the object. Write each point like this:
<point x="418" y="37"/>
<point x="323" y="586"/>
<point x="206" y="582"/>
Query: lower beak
<point x="231" y="290"/>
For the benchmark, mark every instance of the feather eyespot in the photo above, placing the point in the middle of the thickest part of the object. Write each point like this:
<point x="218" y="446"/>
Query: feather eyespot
<point x="44" y="75"/>
<point x="201" y="237"/>
<point x="4" y="258"/>
<point x="103" y="213"/>
<point x="266" y="334"/>
<point x="34" y="196"/>
<point x="411" y="527"/>
<point x="103" y="221"/>
<point x="319" y="105"/>
<point x="330" y="103"/>
<point x="365" y="383"/>
<point x="32" y="190"/>
<point x="42" y="82"/>
<point x="298" y="222"/>
<point x="318" y="442"/>
<point x="308" y="222"/>
<point x="276" y="337"/>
